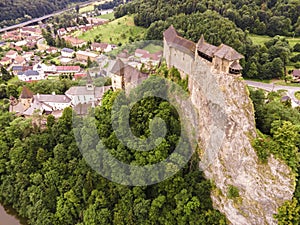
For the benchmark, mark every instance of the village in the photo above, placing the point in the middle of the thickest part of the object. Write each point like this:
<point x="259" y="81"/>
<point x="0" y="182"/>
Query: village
<point x="29" y="58"/>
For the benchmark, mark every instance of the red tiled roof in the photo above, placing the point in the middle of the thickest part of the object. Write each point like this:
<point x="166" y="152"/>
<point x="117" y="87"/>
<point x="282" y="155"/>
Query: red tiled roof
<point x="26" y="93"/>
<point x="296" y="73"/>
<point x="172" y="37"/>
<point x="68" y="68"/>
<point x="227" y="52"/>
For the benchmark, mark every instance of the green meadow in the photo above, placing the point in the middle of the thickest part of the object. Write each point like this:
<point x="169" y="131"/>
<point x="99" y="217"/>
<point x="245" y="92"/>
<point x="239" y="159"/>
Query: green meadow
<point x="261" y="39"/>
<point x="115" y="32"/>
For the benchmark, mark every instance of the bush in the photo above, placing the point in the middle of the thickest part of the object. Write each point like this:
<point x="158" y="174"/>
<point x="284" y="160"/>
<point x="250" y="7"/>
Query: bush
<point x="233" y="192"/>
<point x="296" y="47"/>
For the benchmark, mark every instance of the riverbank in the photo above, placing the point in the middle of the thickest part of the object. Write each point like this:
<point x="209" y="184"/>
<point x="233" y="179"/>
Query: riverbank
<point x="8" y="216"/>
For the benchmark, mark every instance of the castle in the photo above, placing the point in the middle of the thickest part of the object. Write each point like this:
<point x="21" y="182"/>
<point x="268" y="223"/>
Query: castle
<point x="182" y="54"/>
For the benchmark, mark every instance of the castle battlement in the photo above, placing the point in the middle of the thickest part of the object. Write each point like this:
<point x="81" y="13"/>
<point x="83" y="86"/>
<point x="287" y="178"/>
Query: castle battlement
<point x="182" y="54"/>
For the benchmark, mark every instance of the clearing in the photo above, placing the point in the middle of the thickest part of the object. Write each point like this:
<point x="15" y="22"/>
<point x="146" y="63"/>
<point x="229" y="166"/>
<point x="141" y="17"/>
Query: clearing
<point x="115" y="32"/>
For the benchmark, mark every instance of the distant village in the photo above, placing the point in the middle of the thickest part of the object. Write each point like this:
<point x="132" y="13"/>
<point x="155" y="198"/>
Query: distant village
<point x="26" y="56"/>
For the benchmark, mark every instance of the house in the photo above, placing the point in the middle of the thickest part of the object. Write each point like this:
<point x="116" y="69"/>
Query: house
<point x="62" y="31"/>
<point x="125" y="76"/>
<point x="52" y="50"/>
<point x="84" y="55"/>
<point x="68" y="69"/>
<point x="27" y="55"/>
<point x="11" y="54"/>
<point x="101" y="47"/>
<point x="67" y="52"/>
<point x="140" y="52"/>
<point x="17" y="69"/>
<point x="88" y="94"/>
<point x="75" y="42"/>
<point x="19" y="61"/>
<point x="296" y="74"/>
<point x="31" y="75"/>
<point x="21" y="43"/>
<point x="5" y="61"/>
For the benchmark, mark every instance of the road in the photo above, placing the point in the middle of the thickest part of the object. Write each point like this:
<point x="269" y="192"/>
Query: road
<point x="43" y="17"/>
<point x="274" y="87"/>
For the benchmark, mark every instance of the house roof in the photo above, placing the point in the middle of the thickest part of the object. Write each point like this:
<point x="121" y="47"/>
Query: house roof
<point x="68" y="68"/>
<point x="118" y="67"/>
<point x="296" y="73"/>
<point x="11" y="52"/>
<point x="31" y="73"/>
<point x="205" y="47"/>
<point x="68" y="50"/>
<point x="133" y="75"/>
<point x="227" y="52"/>
<point x="100" y="45"/>
<point x="173" y="38"/>
<point x="82" y="90"/>
<point x="85" y="53"/>
<point x="82" y="109"/>
<point x="141" y="51"/>
<point x="26" y="93"/>
<point x="52" y="98"/>
<point x="236" y="66"/>
<point x="19" y="59"/>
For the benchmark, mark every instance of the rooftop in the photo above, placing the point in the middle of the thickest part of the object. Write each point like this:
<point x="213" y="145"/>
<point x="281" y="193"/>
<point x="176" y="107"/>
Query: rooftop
<point x="52" y="98"/>
<point x="26" y="93"/>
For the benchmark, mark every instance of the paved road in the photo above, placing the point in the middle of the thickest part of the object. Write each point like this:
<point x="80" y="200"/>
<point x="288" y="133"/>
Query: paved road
<point x="42" y="18"/>
<point x="274" y="87"/>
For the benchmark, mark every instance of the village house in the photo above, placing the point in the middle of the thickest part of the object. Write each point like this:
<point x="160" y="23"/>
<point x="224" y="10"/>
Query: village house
<point x="51" y="50"/>
<point x="75" y="42"/>
<point x="62" y="31"/>
<point x="19" y="69"/>
<point x="88" y="94"/>
<point x="67" y="52"/>
<point x="125" y="76"/>
<point x="19" y="61"/>
<point x="5" y="61"/>
<point x="296" y="74"/>
<point x="84" y="55"/>
<point x="67" y="69"/>
<point x="11" y="54"/>
<point x="101" y="47"/>
<point x="35" y="74"/>
<point x="48" y="104"/>
<point x="27" y="55"/>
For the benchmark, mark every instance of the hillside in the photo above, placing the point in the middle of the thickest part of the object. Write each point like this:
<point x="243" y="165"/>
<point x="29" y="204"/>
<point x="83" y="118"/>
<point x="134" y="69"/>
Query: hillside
<point x="15" y="11"/>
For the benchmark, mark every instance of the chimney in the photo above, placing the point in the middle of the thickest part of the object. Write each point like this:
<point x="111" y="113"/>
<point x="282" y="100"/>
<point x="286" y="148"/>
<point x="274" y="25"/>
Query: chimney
<point x="38" y="95"/>
<point x="53" y="92"/>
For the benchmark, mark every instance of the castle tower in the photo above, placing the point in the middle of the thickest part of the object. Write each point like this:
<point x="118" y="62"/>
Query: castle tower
<point x="26" y="97"/>
<point x="117" y="75"/>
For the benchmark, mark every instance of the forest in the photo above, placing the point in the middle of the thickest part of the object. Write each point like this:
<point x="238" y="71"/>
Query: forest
<point x="45" y="178"/>
<point x="17" y="11"/>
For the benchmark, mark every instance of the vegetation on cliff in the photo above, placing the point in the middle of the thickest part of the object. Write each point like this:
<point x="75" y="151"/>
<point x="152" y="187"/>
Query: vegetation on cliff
<point x="280" y="127"/>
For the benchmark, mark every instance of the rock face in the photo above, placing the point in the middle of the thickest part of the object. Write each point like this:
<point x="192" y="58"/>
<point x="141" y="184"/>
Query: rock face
<point x="226" y="129"/>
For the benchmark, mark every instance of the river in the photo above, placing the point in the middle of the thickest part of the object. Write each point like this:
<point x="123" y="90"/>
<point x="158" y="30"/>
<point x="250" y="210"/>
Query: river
<point x="7" y="219"/>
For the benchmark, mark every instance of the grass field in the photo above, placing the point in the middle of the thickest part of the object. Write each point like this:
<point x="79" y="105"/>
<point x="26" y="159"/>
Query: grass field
<point x="153" y="48"/>
<point x="90" y="7"/>
<point x="261" y="39"/>
<point x="108" y="16"/>
<point x="116" y="31"/>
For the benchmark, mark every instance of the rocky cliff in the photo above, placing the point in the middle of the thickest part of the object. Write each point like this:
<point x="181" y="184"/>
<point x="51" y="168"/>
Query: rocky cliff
<point x="226" y="129"/>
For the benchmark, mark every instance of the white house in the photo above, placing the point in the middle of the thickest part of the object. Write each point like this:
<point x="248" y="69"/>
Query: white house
<point x="67" y="52"/>
<point x="35" y="74"/>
